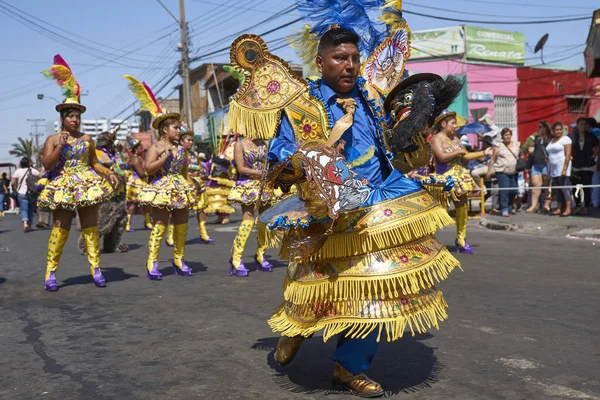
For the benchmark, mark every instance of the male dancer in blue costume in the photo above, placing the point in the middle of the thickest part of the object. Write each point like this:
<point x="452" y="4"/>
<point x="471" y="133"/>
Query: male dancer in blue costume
<point x="339" y="63"/>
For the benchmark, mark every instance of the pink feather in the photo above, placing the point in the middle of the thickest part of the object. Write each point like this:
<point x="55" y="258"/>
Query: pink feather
<point x="158" y="110"/>
<point x="58" y="60"/>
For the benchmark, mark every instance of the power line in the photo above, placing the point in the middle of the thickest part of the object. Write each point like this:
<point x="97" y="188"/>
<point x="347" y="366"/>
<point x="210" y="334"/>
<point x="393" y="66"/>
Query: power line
<point x="524" y="4"/>
<point x="261" y="34"/>
<point x="238" y="7"/>
<point x="78" y="36"/>
<point x="489" y="15"/>
<point x="554" y="21"/>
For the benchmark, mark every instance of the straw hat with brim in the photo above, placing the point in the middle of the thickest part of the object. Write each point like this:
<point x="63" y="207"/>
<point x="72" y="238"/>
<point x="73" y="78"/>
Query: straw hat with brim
<point x="70" y="103"/>
<point x="444" y="114"/>
<point x="411" y="80"/>
<point x="157" y="121"/>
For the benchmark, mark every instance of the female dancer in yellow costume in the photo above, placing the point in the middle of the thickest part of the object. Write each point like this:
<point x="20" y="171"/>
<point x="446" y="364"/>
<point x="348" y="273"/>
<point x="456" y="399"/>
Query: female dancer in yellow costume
<point x="250" y="160"/>
<point x="170" y="193"/>
<point x="198" y="175"/>
<point x="135" y="183"/>
<point x="448" y="156"/>
<point x="76" y="179"/>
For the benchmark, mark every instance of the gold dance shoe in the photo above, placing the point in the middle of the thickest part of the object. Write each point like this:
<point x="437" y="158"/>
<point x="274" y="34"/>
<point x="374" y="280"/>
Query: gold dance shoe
<point x="361" y="385"/>
<point x="286" y="349"/>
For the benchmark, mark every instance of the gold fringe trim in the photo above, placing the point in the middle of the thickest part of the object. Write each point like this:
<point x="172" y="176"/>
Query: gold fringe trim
<point x="359" y="328"/>
<point x="382" y="236"/>
<point x="252" y="123"/>
<point x="365" y="287"/>
<point x="438" y="192"/>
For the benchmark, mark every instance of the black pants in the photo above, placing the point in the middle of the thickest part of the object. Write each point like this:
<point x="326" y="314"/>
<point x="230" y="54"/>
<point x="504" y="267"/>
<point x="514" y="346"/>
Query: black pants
<point x="561" y="195"/>
<point x="582" y="178"/>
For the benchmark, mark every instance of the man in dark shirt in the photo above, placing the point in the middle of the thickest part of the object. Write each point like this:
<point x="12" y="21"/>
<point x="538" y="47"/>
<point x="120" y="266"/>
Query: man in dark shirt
<point x="585" y="150"/>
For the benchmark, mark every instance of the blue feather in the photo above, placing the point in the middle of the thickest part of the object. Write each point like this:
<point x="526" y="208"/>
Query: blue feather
<point x="349" y="14"/>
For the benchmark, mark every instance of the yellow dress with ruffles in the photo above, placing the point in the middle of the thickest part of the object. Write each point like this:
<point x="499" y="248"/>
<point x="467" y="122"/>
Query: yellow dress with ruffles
<point x="170" y="187"/>
<point x="195" y="165"/>
<point x="74" y="183"/>
<point x="135" y="184"/>
<point x="247" y="191"/>
<point x="463" y="181"/>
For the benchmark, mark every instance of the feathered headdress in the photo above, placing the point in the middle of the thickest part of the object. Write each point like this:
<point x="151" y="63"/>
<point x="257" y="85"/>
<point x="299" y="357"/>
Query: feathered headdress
<point x="349" y="14"/>
<point x="62" y="74"/>
<point x="149" y="103"/>
<point x="133" y="142"/>
<point x="184" y="130"/>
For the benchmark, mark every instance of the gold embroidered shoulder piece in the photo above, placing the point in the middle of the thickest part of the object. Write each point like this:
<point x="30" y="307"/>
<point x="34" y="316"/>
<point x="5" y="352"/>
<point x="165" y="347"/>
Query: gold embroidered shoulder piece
<point x="270" y="86"/>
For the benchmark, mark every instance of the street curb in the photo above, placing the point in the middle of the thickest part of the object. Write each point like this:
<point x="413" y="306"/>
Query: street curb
<point x="587" y="234"/>
<point x="498" y="226"/>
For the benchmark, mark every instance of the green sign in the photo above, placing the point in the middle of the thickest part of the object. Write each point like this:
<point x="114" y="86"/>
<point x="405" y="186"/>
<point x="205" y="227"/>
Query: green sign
<point x="493" y="45"/>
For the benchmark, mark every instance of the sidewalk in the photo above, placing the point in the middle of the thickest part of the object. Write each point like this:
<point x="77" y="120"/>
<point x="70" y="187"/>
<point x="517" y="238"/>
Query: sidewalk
<point x="580" y="227"/>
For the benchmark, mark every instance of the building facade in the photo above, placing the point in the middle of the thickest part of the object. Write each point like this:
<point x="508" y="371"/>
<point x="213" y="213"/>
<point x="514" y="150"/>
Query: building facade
<point x="93" y="127"/>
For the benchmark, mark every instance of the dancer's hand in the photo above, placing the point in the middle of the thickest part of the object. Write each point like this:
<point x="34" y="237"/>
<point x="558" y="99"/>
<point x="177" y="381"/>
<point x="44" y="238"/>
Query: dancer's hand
<point x="114" y="181"/>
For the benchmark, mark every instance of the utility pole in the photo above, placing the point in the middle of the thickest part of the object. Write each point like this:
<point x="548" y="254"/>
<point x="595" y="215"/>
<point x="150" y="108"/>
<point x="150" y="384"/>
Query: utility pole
<point x="35" y="124"/>
<point x="185" y="68"/>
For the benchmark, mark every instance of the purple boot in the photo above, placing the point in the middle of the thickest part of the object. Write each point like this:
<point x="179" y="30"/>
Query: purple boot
<point x="265" y="266"/>
<point x="464" y="249"/>
<point x="239" y="271"/>
<point x="183" y="271"/>
<point x="208" y="241"/>
<point x="99" y="280"/>
<point x="154" y="274"/>
<point x="50" y="284"/>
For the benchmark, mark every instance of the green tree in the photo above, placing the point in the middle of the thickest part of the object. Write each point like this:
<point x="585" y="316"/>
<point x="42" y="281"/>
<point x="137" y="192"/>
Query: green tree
<point x="24" y="148"/>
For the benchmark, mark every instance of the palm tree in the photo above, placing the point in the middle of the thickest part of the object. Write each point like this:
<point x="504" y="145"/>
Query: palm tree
<point x="24" y="148"/>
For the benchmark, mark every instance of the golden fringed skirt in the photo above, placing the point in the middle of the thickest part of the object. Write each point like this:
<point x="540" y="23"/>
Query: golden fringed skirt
<point x="74" y="188"/>
<point x="375" y="268"/>
<point x="217" y="200"/>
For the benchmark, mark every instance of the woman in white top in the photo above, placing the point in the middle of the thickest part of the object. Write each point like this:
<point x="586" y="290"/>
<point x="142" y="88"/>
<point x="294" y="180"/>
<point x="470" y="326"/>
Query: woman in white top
<point x="504" y="163"/>
<point x="27" y="201"/>
<point x="559" y="158"/>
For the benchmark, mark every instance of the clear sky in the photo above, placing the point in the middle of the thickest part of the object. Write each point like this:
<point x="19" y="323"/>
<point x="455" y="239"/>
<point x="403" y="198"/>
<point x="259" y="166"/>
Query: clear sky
<point x="102" y="40"/>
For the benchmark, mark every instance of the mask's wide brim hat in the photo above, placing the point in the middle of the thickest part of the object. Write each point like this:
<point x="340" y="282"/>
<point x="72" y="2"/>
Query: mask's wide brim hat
<point x="70" y="104"/>
<point x="158" y="120"/>
<point x="411" y="80"/>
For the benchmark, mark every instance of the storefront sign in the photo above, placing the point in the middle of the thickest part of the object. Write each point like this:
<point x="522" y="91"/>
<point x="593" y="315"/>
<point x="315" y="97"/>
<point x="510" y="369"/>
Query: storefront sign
<point x="493" y="45"/>
<point x="437" y="43"/>
<point x="481" y="96"/>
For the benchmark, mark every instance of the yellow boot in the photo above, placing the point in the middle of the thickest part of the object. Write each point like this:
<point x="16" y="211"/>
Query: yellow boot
<point x="235" y="263"/>
<point x="461" y="231"/>
<point x="170" y="241"/>
<point x="128" y="225"/>
<point x="156" y="236"/>
<point x="203" y="233"/>
<point x="179" y="267"/>
<point x="92" y="247"/>
<point x="56" y="242"/>
<point x="147" y="221"/>
<point x="263" y="264"/>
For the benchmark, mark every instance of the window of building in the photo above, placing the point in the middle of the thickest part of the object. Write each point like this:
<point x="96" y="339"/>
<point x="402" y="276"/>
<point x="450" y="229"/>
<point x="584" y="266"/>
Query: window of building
<point x="577" y="104"/>
<point x="505" y="111"/>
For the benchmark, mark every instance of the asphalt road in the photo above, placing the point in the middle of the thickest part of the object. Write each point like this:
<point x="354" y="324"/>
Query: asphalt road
<point x="523" y="324"/>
